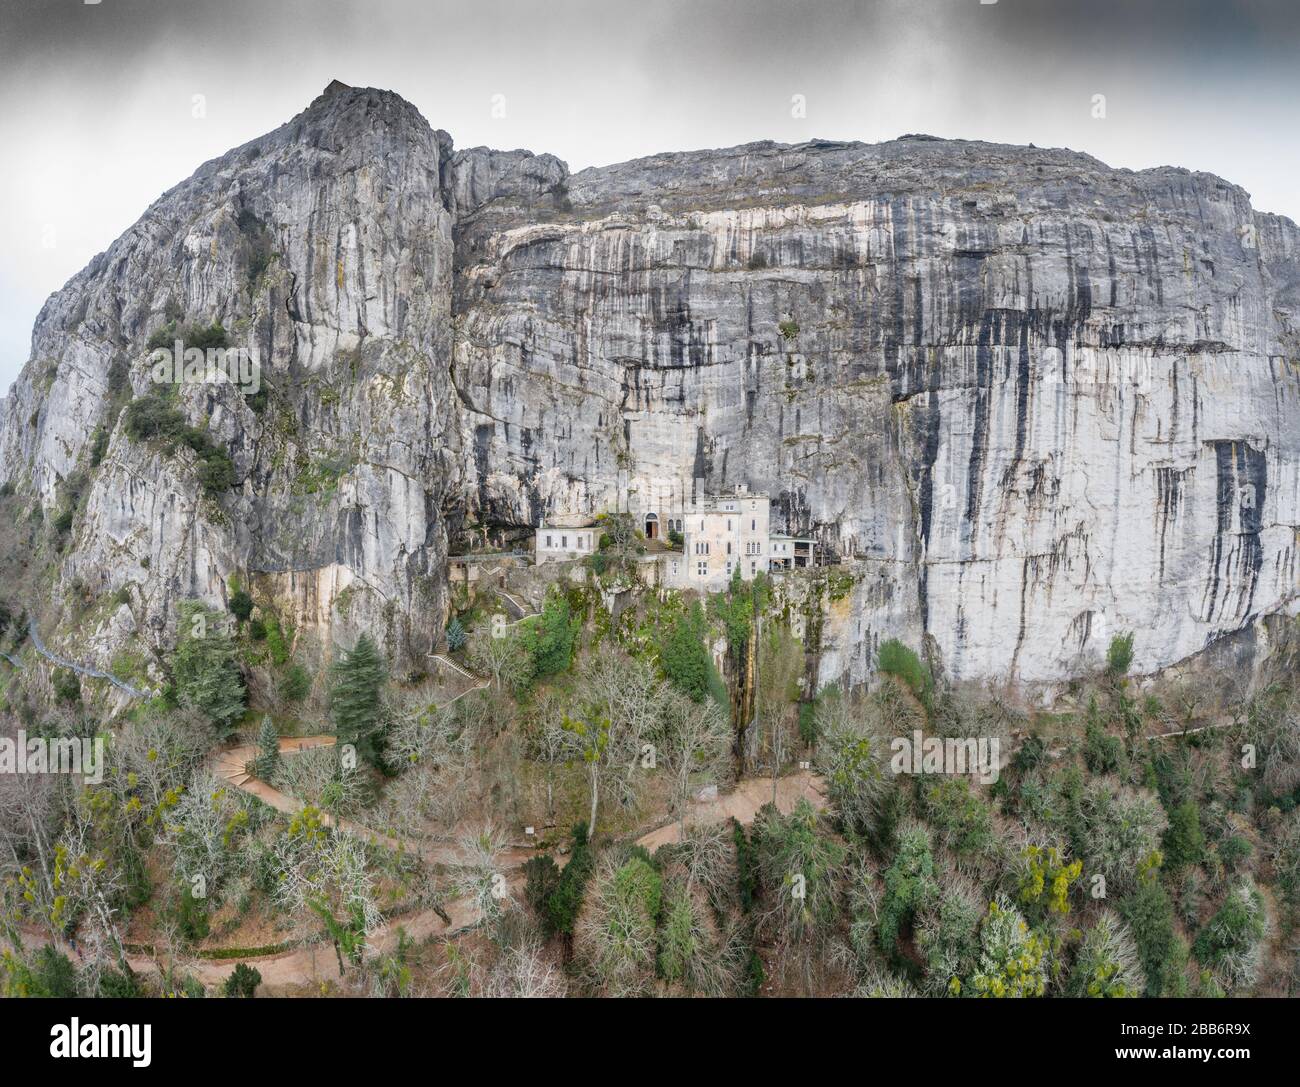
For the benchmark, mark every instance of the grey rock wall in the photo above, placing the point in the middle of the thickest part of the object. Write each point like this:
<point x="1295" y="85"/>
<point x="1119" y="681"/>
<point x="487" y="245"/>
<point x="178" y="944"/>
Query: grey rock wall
<point x="1031" y="400"/>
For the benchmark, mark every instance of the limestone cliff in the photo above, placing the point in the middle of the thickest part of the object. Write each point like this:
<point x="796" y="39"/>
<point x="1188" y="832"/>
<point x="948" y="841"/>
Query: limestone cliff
<point x="1029" y="399"/>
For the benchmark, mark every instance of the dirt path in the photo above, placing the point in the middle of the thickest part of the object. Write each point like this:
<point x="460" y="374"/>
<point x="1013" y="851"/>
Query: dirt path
<point x="231" y="765"/>
<point x="289" y="971"/>
<point x="742" y="804"/>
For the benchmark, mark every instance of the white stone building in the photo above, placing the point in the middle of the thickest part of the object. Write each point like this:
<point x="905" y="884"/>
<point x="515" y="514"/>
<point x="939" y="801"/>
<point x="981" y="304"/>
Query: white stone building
<point x="559" y="543"/>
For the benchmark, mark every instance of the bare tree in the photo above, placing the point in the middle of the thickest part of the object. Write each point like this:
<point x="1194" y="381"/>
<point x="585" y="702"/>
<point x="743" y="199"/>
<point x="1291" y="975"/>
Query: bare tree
<point x="698" y="742"/>
<point x="551" y="744"/>
<point x="621" y="707"/>
<point x="502" y="659"/>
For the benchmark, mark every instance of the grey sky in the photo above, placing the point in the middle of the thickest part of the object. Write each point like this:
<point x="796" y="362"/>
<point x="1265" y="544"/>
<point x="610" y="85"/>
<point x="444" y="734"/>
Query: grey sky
<point x="97" y="100"/>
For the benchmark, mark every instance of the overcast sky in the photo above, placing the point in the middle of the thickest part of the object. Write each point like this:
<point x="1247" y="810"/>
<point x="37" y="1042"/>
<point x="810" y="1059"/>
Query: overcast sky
<point x="99" y="115"/>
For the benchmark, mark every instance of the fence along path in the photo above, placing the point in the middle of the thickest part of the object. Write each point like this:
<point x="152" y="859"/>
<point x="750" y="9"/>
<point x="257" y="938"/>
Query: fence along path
<point x="80" y="669"/>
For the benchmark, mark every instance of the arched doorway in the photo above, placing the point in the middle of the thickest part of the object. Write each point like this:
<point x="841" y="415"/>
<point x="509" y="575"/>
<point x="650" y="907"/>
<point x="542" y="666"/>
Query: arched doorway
<point x="652" y="526"/>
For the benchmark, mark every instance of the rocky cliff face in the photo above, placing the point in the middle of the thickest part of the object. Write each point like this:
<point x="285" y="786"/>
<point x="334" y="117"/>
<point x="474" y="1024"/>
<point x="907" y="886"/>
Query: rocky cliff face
<point x="1033" y="400"/>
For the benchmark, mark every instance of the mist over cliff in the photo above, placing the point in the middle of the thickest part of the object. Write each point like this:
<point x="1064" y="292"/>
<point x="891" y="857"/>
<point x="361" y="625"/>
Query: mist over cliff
<point x="1029" y="400"/>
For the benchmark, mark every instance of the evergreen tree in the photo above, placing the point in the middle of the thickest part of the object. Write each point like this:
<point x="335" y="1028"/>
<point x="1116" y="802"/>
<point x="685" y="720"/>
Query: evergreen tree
<point x="243" y="982"/>
<point x="355" y="704"/>
<point x="205" y="669"/>
<point x="268" y="749"/>
<point x="553" y="636"/>
<point x="683" y="657"/>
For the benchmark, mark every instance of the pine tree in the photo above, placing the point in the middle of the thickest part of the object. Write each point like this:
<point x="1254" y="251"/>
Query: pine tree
<point x="268" y="749"/>
<point x="243" y="982"/>
<point x="205" y="669"/>
<point x="355" y="702"/>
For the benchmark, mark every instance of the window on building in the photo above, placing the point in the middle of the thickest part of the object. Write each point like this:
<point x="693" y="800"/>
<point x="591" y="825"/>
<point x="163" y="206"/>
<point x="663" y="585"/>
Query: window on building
<point x="728" y="567"/>
<point x="548" y="541"/>
<point x="702" y="568"/>
<point x="753" y="524"/>
<point x="728" y="548"/>
<point x="564" y="541"/>
<point x="753" y="567"/>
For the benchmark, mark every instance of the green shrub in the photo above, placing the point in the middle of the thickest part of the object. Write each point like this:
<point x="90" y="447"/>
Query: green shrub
<point x="553" y="635"/>
<point x="191" y="916"/>
<point x="277" y="640"/>
<point x="1184" y="841"/>
<point x="152" y="418"/>
<point x="242" y="982"/>
<point x="565" y="901"/>
<point x="241" y="605"/>
<point x="1150" y="917"/>
<point x="296" y="684"/>
<point x="1119" y="656"/>
<point x="67" y="685"/>
<point x="895" y="659"/>
<point x="204" y="338"/>
<point x="164" y="337"/>
<point x="1230" y="941"/>
<point x="909" y="886"/>
<point x="541" y="880"/>
<point x="683" y="658"/>
<point x="118" y="986"/>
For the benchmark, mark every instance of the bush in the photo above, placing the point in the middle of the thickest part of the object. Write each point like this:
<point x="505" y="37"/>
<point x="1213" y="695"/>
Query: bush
<point x="541" y="880"/>
<point x="565" y="901"/>
<point x="1230" y="943"/>
<point x="909" y="887"/>
<point x="277" y="640"/>
<point x="118" y="986"/>
<point x="1120" y="655"/>
<point x="1184" y="842"/>
<point x="153" y="418"/>
<point x="683" y="658"/>
<point x="191" y="916"/>
<point x="52" y="973"/>
<point x="243" y="981"/>
<point x="1103" y="753"/>
<point x="1150" y="917"/>
<point x="67" y="685"/>
<point x="553" y="635"/>
<point x="214" y="335"/>
<point x="296" y="684"/>
<point x="241" y="605"/>
<point x="456" y="636"/>
<point x="895" y="659"/>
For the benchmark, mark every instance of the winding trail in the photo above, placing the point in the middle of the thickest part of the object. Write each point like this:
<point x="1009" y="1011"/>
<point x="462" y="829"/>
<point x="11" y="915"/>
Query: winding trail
<point x="317" y="963"/>
<point x="314" y="964"/>
<point x="80" y="669"/>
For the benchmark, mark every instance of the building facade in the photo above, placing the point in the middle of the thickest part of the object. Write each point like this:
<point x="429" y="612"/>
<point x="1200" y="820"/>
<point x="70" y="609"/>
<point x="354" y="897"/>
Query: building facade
<point x="562" y="543"/>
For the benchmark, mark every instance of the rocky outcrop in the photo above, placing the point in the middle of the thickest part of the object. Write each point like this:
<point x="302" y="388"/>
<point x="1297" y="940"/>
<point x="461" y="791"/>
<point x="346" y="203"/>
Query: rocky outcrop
<point x="1036" y="400"/>
<point x="1029" y="399"/>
